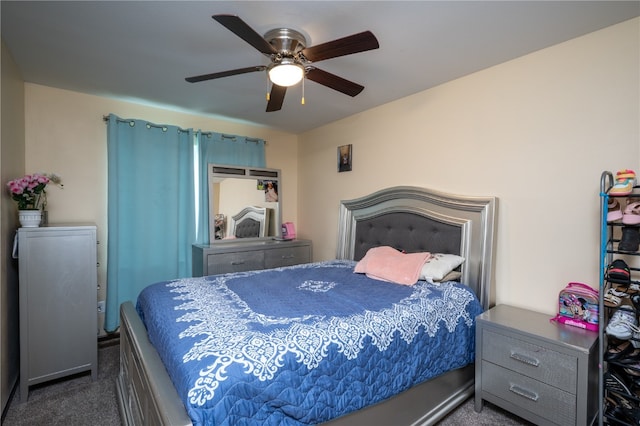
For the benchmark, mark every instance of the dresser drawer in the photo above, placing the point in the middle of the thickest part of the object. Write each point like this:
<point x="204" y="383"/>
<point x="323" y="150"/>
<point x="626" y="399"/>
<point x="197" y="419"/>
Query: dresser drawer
<point x="542" y="400"/>
<point x="530" y="359"/>
<point x="286" y="256"/>
<point x="235" y="262"/>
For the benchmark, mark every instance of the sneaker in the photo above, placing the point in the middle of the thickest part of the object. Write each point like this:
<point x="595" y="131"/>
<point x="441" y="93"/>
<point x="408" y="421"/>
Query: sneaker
<point x="623" y="323"/>
<point x="625" y="181"/>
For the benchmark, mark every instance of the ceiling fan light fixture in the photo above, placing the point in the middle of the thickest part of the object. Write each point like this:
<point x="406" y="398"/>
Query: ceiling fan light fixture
<point x="287" y="73"/>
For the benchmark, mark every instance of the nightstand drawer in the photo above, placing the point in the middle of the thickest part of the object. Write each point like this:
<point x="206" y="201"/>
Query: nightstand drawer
<point x="288" y="256"/>
<point x="235" y="262"/>
<point x="532" y="360"/>
<point x="542" y="400"/>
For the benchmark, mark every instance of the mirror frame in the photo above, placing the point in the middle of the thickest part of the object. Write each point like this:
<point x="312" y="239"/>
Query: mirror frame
<point x="225" y="171"/>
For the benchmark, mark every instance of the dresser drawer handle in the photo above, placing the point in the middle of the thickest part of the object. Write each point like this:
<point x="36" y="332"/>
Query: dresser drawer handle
<point x="240" y="262"/>
<point x="523" y="392"/>
<point x="525" y="359"/>
<point x="288" y="256"/>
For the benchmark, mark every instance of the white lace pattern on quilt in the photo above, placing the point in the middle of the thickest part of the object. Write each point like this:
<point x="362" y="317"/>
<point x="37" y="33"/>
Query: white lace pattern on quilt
<point x="228" y="338"/>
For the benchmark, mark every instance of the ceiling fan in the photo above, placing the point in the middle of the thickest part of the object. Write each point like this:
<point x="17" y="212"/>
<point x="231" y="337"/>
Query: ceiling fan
<point x="291" y="59"/>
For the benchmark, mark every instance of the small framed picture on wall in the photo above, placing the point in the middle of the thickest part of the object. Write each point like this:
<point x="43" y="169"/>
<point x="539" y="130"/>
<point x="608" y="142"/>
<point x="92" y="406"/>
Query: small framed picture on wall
<point x="344" y="158"/>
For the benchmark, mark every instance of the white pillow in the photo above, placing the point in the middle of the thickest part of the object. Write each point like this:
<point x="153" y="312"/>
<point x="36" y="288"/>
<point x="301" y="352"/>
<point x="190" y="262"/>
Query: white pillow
<point x="439" y="265"/>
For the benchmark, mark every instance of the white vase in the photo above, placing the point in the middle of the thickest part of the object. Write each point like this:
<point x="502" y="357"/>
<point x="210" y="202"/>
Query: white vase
<point x="30" y="218"/>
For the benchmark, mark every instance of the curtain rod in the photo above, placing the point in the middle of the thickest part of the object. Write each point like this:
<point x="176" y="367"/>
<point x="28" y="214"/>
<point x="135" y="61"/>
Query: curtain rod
<point x="234" y="137"/>
<point x="105" y="118"/>
<point x="149" y="125"/>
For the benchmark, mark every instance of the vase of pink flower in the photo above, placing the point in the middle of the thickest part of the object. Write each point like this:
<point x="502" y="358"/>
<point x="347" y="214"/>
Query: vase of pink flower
<point x="30" y="194"/>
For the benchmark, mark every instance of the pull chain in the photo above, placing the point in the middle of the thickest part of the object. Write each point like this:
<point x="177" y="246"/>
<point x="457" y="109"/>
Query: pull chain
<point x="268" y="92"/>
<point x="302" y="101"/>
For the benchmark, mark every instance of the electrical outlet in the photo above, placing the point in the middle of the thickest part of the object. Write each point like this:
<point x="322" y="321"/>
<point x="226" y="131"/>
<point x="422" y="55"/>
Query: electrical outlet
<point x="101" y="307"/>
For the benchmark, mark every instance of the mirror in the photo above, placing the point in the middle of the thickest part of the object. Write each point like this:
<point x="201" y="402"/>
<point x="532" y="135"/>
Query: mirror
<point x="244" y="203"/>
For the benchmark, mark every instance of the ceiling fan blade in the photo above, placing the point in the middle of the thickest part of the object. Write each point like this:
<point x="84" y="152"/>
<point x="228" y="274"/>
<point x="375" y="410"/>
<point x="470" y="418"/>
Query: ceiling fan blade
<point x="241" y="29"/>
<point x="229" y="73"/>
<point x="334" y="82"/>
<point x="276" y="98"/>
<point x="355" y="43"/>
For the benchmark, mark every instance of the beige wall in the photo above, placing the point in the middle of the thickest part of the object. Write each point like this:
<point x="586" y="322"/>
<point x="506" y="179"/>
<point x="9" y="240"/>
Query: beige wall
<point x="66" y="134"/>
<point x="11" y="165"/>
<point x="536" y="132"/>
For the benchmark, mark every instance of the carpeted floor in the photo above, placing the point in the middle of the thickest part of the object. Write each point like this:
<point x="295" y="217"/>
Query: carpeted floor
<point x="79" y="401"/>
<point x="75" y="401"/>
<point x="489" y="416"/>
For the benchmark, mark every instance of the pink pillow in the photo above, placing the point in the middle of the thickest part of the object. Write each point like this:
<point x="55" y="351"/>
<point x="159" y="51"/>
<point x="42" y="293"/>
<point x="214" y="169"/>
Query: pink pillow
<point x="388" y="264"/>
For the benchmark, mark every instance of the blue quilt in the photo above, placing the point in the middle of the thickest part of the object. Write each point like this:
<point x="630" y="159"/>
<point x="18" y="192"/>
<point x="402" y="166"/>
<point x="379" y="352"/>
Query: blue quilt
<point x="303" y="344"/>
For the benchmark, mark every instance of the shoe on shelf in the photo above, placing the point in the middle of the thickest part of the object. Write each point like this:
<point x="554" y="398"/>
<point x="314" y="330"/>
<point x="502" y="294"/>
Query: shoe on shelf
<point x="619" y="351"/>
<point x="630" y="240"/>
<point x="630" y="289"/>
<point x="621" y="410"/>
<point x="614" y="210"/>
<point x="635" y="301"/>
<point x="631" y="215"/>
<point x="614" y="298"/>
<point x="632" y="359"/>
<point x="625" y="181"/>
<point x="619" y="272"/>
<point x="623" y="323"/>
<point x="625" y="174"/>
<point x="616" y="383"/>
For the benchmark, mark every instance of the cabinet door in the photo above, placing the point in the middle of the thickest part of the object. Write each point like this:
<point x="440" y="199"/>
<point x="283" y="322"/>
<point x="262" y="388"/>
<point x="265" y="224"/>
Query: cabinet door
<point x="58" y="280"/>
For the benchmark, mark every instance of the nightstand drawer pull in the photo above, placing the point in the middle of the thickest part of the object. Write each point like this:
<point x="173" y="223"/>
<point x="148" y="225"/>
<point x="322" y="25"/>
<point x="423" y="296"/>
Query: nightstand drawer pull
<point x="240" y="262"/>
<point x="525" y="359"/>
<point x="290" y="256"/>
<point x="523" y="392"/>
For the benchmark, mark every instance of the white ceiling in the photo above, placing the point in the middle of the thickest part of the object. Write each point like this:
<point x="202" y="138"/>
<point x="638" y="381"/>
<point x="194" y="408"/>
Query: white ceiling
<point x="141" y="51"/>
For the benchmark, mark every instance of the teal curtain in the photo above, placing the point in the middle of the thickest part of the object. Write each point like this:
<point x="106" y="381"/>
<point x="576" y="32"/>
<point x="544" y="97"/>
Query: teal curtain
<point x="219" y="148"/>
<point x="151" y="208"/>
<point x="158" y="201"/>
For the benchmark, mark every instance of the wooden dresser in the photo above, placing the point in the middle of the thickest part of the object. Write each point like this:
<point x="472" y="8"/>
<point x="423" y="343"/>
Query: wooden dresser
<point x="242" y="256"/>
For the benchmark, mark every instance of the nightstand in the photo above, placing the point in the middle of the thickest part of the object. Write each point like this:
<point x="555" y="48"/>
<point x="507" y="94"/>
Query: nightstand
<point x="540" y="370"/>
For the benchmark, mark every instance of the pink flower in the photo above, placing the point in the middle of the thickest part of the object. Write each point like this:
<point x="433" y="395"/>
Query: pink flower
<point x="29" y="191"/>
<point x="15" y="187"/>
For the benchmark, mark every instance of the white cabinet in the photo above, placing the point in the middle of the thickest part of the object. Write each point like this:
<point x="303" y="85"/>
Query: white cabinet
<point x="58" y="310"/>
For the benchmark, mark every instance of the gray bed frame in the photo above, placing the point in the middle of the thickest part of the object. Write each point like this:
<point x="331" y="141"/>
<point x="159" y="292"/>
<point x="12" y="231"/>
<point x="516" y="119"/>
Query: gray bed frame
<point x="408" y="218"/>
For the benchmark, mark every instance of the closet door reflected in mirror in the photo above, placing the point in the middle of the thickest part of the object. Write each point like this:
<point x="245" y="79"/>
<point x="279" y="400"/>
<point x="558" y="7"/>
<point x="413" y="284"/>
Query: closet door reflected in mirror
<point x="244" y="203"/>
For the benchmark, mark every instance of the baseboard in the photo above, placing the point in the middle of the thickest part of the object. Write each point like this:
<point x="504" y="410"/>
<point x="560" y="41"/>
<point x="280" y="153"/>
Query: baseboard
<point x="109" y="339"/>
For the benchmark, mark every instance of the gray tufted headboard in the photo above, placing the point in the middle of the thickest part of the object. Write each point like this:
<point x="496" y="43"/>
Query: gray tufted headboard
<point x="248" y="228"/>
<point x="417" y="219"/>
<point x="251" y="222"/>
<point x="406" y="231"/>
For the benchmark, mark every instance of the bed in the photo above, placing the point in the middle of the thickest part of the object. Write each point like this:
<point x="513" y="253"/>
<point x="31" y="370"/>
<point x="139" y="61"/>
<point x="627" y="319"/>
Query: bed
<point x="409" y="219"/>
